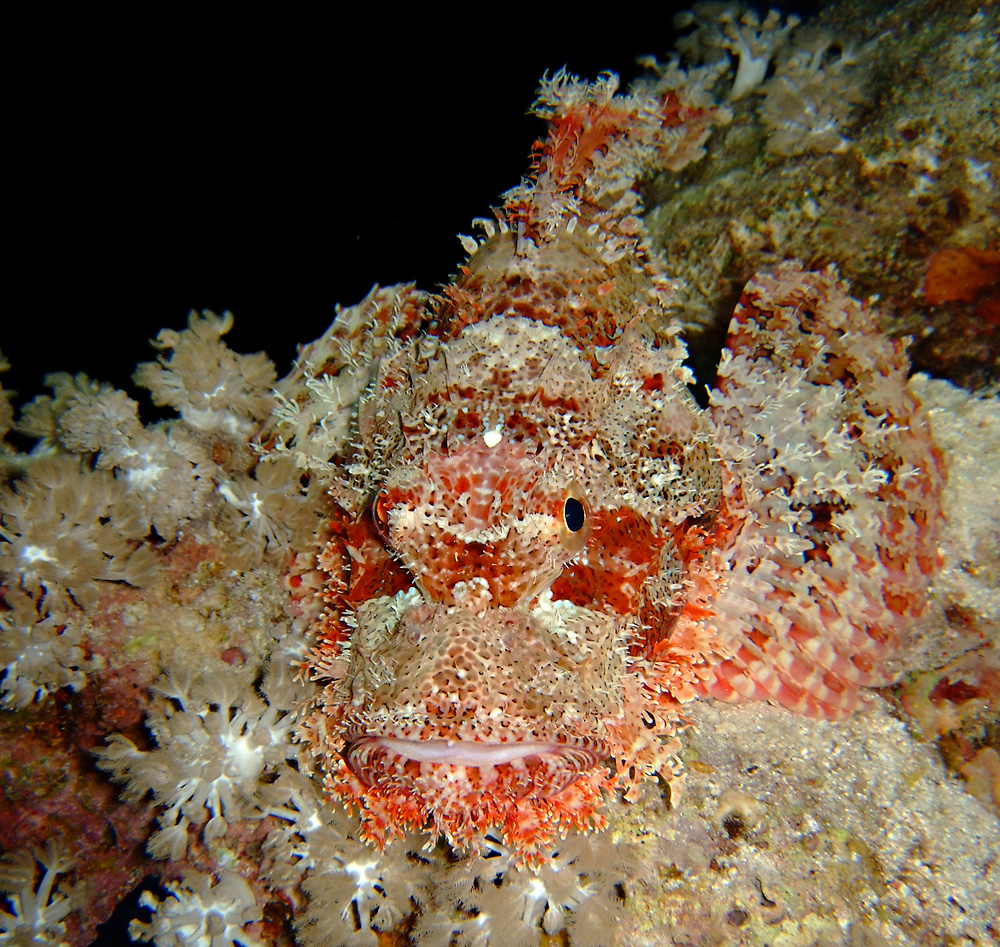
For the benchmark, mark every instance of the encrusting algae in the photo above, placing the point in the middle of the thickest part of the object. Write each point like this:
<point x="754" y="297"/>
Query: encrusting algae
<point x="405" y="644"/>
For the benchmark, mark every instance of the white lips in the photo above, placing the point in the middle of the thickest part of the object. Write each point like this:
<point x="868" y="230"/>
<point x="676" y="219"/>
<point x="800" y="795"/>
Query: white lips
<point x="465" y="752"/>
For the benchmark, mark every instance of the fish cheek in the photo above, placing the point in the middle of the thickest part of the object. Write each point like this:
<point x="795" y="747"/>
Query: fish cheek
<point x="608" y="575"/>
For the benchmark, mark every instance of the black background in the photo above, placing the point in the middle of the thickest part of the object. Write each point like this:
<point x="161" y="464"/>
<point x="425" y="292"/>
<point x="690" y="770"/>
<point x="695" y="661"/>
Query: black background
<point x="269" y="168"/>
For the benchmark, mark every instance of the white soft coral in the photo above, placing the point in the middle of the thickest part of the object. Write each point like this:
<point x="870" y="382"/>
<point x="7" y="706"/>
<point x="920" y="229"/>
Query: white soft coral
<point x="487" y="900"/>
<point x="39" y="653"/>
<point x="809" y="101"/>
<point x="36" y="915"/>
<point x="733" y="28"/>
<point x="64" y="529"/>
<point x="166" y="472"/>
<point x="200" y="912"/>
<point x="213" y="388"/>
<point x="169" y="475"/>
<point x="354" y="890"/>
<point x="271" y="509"/>
<point x="216" y="738"/>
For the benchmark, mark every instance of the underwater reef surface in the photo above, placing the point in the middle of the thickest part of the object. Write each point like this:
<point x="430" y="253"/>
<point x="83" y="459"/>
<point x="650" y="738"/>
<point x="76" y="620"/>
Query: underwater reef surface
<point x="197" y="611"/>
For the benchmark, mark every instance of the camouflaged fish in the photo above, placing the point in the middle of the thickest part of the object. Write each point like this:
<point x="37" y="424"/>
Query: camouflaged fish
<point x="540" y="546"/>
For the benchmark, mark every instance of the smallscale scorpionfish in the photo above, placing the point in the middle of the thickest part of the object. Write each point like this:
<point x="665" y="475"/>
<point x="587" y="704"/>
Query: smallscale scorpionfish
<point x="541" y="546"/>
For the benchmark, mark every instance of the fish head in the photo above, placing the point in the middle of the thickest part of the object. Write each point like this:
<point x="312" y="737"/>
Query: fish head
<point x="546" y="552"/>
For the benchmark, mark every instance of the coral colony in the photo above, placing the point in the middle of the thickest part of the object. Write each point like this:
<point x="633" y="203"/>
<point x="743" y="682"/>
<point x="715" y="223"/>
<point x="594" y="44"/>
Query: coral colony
<point x="383" y="645"/>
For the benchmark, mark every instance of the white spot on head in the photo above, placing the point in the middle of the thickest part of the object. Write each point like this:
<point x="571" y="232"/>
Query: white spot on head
<point x="492" y="437"/>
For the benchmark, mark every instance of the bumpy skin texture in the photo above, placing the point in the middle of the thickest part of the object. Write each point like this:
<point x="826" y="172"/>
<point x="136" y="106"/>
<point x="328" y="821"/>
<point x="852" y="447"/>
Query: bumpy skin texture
<point x="541" y="546"/>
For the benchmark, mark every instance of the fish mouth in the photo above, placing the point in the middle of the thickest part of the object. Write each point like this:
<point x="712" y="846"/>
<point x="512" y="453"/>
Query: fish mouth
<point x="465" y="752"/>
<point x="527" y="767"/>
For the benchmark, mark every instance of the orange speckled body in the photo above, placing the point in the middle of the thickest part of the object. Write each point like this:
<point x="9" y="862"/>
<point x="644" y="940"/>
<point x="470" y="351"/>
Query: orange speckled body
<point x="542" y="546"/>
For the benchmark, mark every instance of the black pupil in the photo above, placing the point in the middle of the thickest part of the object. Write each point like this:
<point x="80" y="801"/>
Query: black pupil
<point x="573" y="514"/>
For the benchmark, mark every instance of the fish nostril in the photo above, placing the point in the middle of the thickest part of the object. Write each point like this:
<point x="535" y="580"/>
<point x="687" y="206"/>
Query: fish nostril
<point x="381" y="506"/>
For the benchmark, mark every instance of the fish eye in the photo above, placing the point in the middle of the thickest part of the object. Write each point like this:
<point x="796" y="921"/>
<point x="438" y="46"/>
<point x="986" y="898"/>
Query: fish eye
<point x="574" y="515"/>
<point x="575" y="529"/>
